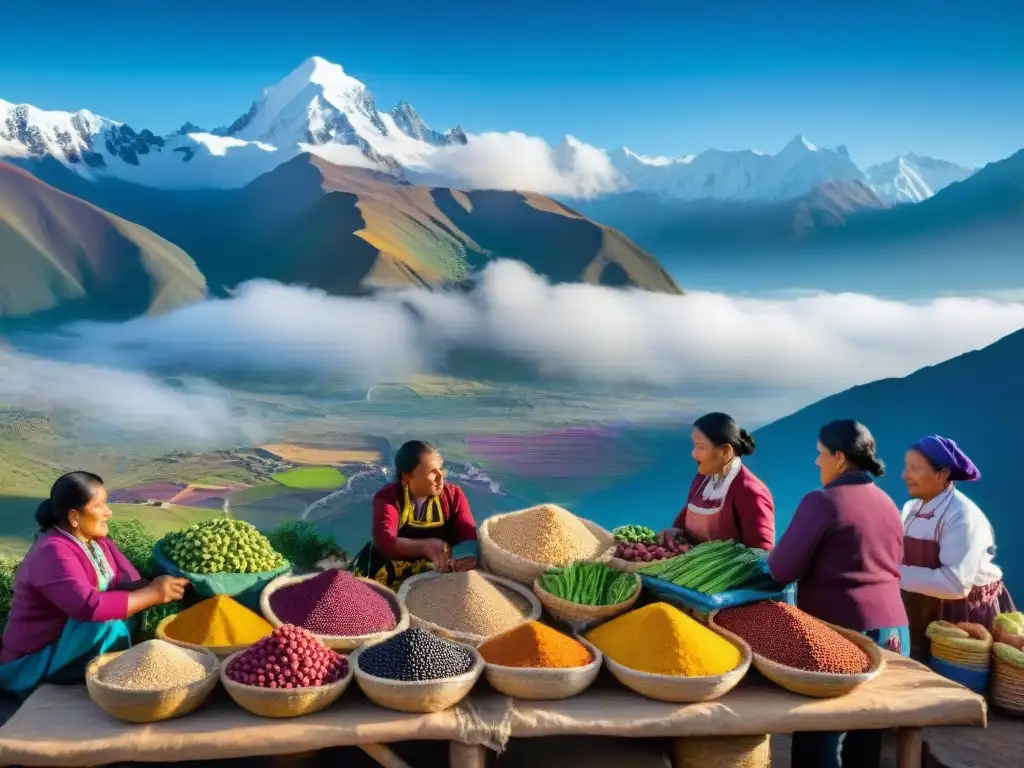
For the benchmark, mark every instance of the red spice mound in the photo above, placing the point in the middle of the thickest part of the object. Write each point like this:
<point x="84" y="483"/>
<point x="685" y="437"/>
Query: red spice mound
<point x="334" y="603"/>
<point x="786" y="635"/>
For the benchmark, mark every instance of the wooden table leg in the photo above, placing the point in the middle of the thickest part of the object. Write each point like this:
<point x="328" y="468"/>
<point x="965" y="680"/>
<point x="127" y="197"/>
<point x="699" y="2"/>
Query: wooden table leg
<point x="384" y="755"/>
<point x="909" y="745"/>
<point x="466" y="755"/>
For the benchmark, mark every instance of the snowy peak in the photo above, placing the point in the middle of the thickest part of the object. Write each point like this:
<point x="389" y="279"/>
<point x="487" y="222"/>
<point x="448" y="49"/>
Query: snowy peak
<point x="912" y="178"/>
<point x="74" y="138"/>
<point x="411" y="124"/>
<point x="319" y="105"/>
<point x="740" y="175"/>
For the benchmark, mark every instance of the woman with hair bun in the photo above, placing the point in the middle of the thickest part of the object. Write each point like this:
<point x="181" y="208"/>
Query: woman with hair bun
<point x="844" y="547"/>
<point x="726" y="500"/>
<point x="949" y="569"/>
<point x="73" y="591"/>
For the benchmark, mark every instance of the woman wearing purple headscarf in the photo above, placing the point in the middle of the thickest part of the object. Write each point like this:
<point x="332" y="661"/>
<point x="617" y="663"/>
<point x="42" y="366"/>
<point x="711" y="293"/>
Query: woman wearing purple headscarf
<point x="949" y="547"/>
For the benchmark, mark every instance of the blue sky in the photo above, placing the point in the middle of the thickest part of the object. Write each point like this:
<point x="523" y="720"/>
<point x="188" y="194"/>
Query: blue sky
<point x="940" y="78"/>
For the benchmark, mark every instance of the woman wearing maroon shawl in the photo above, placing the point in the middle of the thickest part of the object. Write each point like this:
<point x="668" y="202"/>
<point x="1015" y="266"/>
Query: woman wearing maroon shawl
<point x="726" y="500"/>
<point x="949" y="547"/>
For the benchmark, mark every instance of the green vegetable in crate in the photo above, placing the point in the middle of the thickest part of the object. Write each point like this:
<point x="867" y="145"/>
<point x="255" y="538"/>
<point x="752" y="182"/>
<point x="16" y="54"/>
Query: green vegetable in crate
<point x="635" y="534"/>
<point x="151" y="617"/>
<point x="589" y="584"/>
<point x="711" y="568"/>
<point x="221" y="545"/>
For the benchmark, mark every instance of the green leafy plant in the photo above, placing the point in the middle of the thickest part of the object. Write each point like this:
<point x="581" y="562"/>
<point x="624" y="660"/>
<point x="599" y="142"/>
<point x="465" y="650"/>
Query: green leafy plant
<point x="303" y="547"/>
<point x="8" y="565"/>
<point x="151" y="617"/>
<point x="135" y="543"/>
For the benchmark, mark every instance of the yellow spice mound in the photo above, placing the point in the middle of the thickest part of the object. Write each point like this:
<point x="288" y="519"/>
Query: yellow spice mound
<point x="545" y="534"/>
<point x="663" y="640"/>
<point x="218" y="622"/>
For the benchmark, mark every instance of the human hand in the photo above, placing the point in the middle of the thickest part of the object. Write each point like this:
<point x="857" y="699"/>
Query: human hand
<point x="462" y="564"/>
<point x="436" y="551"/>
<point x="669" y="534"/>
<point x="168" y="589"/>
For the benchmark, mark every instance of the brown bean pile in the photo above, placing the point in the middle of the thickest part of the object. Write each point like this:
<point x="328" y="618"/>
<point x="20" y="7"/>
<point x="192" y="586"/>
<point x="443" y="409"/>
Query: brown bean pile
<point x="786" y="635"/>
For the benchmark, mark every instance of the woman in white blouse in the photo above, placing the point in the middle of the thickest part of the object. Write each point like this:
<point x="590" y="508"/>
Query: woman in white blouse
<point x="949" y="547"/>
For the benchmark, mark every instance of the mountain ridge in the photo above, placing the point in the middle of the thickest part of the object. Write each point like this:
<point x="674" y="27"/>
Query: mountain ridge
<point x="319" y="108"/>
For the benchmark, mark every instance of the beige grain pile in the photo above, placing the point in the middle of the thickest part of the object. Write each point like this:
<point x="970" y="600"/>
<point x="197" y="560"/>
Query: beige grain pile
<point x="153" y="665"/>
<point x="545" y="534"/>
<point x="464" y="602"/>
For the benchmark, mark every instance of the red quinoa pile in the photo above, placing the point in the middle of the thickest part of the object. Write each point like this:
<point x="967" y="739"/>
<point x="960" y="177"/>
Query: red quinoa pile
<point x="786" y="635"/>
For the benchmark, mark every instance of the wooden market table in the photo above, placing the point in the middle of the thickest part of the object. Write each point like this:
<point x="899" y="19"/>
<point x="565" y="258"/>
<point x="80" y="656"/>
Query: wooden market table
<point x="60" y="726"/>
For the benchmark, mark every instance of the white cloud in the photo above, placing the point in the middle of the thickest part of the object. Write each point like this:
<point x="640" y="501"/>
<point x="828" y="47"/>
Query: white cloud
<point x="809" y="344"/>
<point x="195" y="412"/>
<point x="517" y="161"/>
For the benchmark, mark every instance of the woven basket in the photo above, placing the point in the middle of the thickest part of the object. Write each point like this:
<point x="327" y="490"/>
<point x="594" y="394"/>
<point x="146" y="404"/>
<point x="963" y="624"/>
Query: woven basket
<point x="821" y="685"/>
<point x="683" y="690"/>
<point x="150" y="706"/>
<point x="544" y="684"/>
<point x="338" y="642"/>
<point x="220" y="651"/>
<point x="575" y="613"/>
<point x="976" y="659"/>
<point x="280" y="702"/>
<point x="504" y="563"/>
<point x="1007" y="689"/>
<point x="524" y="599"/>
<point x="420" y="697"/>
<point x="723" y="752"/>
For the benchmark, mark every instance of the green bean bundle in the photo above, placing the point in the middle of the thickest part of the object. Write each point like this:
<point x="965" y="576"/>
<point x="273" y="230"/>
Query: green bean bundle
<point x="713" y="567"/>
<point x="589" y="584"/>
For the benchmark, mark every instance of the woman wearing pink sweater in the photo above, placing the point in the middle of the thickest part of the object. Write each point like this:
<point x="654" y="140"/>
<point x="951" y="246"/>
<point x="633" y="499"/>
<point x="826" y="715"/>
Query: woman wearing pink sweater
<point x="73" y="592"/>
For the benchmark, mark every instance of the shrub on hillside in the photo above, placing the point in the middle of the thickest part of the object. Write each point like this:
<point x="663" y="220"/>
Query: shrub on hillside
<point x="302" y="546"/>
<point x="8" y="565"/>
<point x="136" y="543"/>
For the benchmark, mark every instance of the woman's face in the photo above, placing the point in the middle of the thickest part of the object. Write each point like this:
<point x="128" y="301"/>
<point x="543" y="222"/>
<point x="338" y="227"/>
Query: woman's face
<point x="923" y="482"/>
<point x="91" y="520"/>
<point x="830" y="465"/>
<point x="428" y="478"/>
<point x="711" y="459"/>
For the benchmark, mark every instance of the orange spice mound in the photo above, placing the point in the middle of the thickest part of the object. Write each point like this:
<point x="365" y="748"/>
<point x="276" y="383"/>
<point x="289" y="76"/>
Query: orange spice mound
<point x="535" y="645"/>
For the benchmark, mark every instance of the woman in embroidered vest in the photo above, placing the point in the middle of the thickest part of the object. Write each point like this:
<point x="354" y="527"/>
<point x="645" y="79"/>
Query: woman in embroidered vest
<point x="726" y="500"/>
<point x="949" y="547"/>
<point x="419" y="521"/>
<point x="73" y="591"/>
<point x="843" y="548"/>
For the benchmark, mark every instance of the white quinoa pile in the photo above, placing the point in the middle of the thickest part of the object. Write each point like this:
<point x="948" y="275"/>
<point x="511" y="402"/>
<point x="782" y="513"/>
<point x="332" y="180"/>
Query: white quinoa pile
<point x="464" y="602"/>
<point x="153" y="665"/>
<point x="545" y="534"/>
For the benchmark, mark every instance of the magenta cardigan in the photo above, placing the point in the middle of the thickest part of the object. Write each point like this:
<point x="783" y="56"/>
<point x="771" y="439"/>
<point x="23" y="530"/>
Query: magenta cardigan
<point x="57" y="581"/>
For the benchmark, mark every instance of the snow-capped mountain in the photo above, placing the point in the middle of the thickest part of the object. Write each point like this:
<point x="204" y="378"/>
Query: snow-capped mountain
<point x="912" y="178"/>
<point x="739" y="176"/>
<point x="320" y="109"/>
<point x="317" y="108"/>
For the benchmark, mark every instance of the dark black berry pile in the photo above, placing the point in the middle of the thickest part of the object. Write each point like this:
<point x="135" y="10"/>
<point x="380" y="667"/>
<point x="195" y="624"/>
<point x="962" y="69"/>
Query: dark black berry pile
<point x="415" y="654"/>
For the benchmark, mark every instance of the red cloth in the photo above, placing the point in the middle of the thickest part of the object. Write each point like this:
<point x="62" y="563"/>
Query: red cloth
<point x="57" y="581"/>
<point x="748" y="502"/>
<point x="387" y="510"/>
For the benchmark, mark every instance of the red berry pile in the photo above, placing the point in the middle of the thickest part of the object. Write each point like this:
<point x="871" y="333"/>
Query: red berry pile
<point x="289" y="657"/>
<point x="648" y="553"/>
